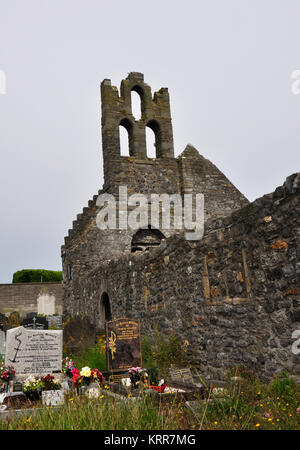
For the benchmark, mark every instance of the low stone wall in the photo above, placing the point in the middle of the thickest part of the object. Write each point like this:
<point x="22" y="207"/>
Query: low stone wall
<point x="43" y="298"/>
<point x="232" y="298"/>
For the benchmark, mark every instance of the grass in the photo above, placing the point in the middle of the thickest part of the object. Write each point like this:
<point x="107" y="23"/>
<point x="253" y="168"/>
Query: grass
<point x="252" y="404"/>
<point x="245" y="404"/>
<point x="248" y="404"/>
<point x="105" y="413"/>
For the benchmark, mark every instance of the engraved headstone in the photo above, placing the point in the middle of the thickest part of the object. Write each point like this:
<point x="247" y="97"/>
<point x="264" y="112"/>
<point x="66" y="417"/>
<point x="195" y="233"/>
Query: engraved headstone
<point x="31" y="315"/>
<point x="182" y="377"/>
<point x="123" y="344"/>
<point x="35" y="323"/>
<point x="34" y="351"/>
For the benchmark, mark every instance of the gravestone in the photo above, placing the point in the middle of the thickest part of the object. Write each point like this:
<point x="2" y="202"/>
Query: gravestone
<point x="123" y="344"/>
<point x="36" y="352"/>
<point x="54" y="321"/>
<point x="79" y="333"/>
<point x="35" y="322"/>
<point x="31" y="315"/>
<point x="182" y="377"/>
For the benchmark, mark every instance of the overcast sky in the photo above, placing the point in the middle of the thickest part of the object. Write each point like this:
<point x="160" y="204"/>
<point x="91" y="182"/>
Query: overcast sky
<point x="227" y="64"/>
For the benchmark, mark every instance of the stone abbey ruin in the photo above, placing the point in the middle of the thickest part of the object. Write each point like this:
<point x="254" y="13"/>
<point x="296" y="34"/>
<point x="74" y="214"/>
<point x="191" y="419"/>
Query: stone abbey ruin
<point x="232" y="296"/>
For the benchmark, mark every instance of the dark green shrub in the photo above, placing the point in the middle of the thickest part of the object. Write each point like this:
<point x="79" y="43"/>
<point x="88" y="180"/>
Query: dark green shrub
<point x="37" y="276"/>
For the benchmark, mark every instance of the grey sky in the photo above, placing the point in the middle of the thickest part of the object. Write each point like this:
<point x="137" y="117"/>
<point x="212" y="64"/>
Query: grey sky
<point x="228" y="68"/>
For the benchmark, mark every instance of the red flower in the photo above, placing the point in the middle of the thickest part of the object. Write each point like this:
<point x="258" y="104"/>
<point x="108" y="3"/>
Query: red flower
<point x="96" y="374"/>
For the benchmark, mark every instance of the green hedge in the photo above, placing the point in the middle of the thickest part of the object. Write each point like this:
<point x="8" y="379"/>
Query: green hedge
<point x="36" y="276"/>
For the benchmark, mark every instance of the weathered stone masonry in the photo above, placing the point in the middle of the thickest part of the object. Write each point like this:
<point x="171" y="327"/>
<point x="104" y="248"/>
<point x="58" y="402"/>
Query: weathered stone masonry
<point x="30" y="297"/>
<point x="234" y="295"/>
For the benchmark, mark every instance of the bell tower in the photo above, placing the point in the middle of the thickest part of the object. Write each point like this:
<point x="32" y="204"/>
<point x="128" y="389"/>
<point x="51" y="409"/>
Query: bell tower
<point x="117" y="111"/>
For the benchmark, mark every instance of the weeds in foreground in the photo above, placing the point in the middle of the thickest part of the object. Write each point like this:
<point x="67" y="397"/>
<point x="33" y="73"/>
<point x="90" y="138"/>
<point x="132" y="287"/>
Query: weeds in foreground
<point x="248" y="404"/>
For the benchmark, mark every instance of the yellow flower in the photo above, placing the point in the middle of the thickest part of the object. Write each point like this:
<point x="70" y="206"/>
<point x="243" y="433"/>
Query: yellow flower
<point x="216" y="423"/>
<point x="101" y="396"/>
<point x="71" y="399"/>
<point x="85" y="372"/>
<point x="257" y="425"/>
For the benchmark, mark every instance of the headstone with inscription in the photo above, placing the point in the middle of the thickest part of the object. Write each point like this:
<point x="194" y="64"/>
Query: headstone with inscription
<point x="123" y="344"/>
<point x="182" y="377"/>
<point x="36" y="352"/>
<point x="35" y="323"/>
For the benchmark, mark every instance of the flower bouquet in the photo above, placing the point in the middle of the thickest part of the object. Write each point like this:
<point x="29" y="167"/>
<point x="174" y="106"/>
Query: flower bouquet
<point x="6" y="374"/>
<point x="96" y="376"/>
<point x="137" y="376"/>
<point x="33" y="387"/>
<point x="68" y="366"/>
<point x="76" y="378"/>
<point x="50" y="383"/>
<point x="52" y="395"/>
<point x="86" y="376"/>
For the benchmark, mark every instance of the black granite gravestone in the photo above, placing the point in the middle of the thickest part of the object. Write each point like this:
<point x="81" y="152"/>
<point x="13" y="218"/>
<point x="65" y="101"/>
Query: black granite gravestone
<point x="35" y="323"/>
<point x="31" y="315"/>
<point x="123" y="344"/>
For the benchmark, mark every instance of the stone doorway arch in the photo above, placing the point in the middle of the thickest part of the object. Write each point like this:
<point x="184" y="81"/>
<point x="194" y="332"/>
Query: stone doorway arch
<point x="104" y="310"/>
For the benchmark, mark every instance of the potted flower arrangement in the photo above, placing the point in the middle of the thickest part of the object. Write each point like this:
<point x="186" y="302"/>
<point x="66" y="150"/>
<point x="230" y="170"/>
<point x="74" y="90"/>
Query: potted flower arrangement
<point x="6" y="375"/>
<point x="68" y="366"/>
<point x="137" y="376"/>
<point x="83" y="378"/>
<point x="153" y="382"/>
<point x="32" y="387"/>
<point x="51" y="391"/>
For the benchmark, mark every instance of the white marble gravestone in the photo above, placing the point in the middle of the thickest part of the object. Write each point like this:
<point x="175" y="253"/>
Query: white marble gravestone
<point x="46" y="304"/>
<point x="36" y="352"/>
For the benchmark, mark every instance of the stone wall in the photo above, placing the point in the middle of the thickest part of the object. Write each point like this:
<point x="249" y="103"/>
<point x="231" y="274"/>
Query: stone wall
<point x="44" y="298"/>
<point x="233" y="296"/>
